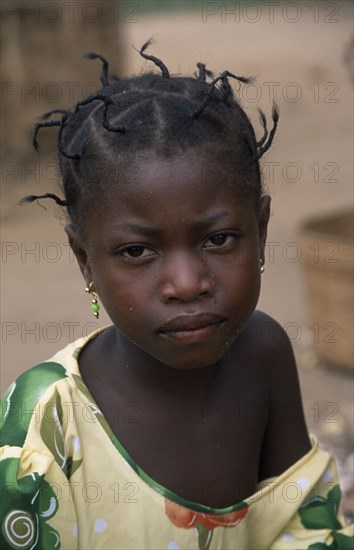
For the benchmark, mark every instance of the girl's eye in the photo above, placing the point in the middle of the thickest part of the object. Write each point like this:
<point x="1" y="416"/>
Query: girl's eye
<point x="220" y="239"/>
<point x="136" y="251"/>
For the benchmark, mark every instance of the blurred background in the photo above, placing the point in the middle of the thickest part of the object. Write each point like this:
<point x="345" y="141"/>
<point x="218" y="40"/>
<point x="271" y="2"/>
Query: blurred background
<point x="302" y="56"/>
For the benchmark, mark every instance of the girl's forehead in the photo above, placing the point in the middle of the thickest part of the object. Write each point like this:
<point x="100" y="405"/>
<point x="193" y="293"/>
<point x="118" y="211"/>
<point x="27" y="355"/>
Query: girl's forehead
<point x="183" y="175"/>
<point x="166" y="189"/>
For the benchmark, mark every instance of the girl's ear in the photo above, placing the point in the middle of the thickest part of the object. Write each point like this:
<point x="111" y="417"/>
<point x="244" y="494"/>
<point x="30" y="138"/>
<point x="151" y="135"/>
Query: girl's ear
<point x="79" y="251"/>
<point x="263" y="219"/>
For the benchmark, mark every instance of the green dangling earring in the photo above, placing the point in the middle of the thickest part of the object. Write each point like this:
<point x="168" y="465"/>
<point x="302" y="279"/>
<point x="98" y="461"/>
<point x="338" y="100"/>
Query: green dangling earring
<point x="95" y="306"/>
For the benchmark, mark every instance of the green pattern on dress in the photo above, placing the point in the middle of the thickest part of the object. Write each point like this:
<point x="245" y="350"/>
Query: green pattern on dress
<point x="20" y="400"/>
<point x="321" y="512"/>
<point x="51" y="431"/>
<point x="30" y="503"/>
<point x="205" y="537"/>
<point x="340" y="542"/>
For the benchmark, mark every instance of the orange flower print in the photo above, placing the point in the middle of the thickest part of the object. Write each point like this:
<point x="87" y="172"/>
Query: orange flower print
<point x="204" y="523"/>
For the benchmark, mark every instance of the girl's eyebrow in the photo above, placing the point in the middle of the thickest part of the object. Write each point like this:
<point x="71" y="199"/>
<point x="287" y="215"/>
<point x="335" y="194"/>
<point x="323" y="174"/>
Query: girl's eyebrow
<point x="213" y="218"/>
<point x="134" y="228"/>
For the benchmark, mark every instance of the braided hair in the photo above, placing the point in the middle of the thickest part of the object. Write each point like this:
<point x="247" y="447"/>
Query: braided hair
<point x="152" y="114"/>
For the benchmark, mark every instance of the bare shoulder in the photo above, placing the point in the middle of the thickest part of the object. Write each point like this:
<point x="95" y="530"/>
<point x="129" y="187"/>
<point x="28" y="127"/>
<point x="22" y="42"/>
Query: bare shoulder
<point x="268" y="343"/>
<point x="286" y="437"/>
<point x="266" y="335"/>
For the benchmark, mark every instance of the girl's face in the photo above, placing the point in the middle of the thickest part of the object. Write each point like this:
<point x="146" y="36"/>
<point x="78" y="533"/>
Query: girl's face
<point x="174" y="257"/>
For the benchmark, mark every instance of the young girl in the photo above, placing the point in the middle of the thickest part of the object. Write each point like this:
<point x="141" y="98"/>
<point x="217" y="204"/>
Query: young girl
<point x="180" y="426"/>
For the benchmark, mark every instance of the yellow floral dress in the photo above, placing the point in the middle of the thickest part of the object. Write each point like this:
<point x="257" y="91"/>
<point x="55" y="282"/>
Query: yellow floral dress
<point x="67" y="483"/>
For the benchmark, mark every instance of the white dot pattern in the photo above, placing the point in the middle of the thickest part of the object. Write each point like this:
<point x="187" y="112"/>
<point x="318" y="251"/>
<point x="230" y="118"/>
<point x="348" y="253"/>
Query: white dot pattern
<point x="100" y="525"/>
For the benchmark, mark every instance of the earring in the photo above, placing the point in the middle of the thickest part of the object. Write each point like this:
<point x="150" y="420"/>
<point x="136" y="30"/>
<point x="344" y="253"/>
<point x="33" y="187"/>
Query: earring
<point x="95" y="306"/>
<point x="261" y="261"/>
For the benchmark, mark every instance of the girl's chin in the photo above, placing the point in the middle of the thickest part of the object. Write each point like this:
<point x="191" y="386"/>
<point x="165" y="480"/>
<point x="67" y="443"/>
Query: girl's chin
<point x="180" y="351"/>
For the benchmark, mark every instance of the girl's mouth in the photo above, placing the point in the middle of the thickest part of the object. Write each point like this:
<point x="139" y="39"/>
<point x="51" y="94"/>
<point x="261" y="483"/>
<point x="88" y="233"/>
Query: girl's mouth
<point x="191" y="329"/>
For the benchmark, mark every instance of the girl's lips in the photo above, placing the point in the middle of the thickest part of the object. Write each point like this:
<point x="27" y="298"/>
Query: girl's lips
<point x="191" y="322"/>
<point x="193" y="335"/>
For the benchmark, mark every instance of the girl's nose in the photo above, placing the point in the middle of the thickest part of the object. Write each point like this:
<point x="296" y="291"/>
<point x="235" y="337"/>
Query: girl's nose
<point x="186" y="278"/>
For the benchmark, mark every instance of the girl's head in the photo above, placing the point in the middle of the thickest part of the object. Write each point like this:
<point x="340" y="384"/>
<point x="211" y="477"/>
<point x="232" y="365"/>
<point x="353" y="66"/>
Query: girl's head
<point x="168" y="217"/>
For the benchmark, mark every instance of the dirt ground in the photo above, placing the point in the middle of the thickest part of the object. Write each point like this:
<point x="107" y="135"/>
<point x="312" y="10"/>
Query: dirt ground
<point x="299" y="57"/>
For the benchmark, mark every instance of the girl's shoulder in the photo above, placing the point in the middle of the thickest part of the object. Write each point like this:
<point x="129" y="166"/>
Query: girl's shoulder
<point x="266" y="330"/>
<point x="31" y="392"/>
<point x="24" y="396"/>
<point x="285" y="439"/>
<point x="268" y="348"/>
<point x="267" y="343"/>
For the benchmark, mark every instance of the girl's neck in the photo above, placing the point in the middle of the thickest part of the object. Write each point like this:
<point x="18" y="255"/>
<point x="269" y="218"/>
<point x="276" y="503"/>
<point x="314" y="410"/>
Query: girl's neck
<point x="145" y="372"/>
